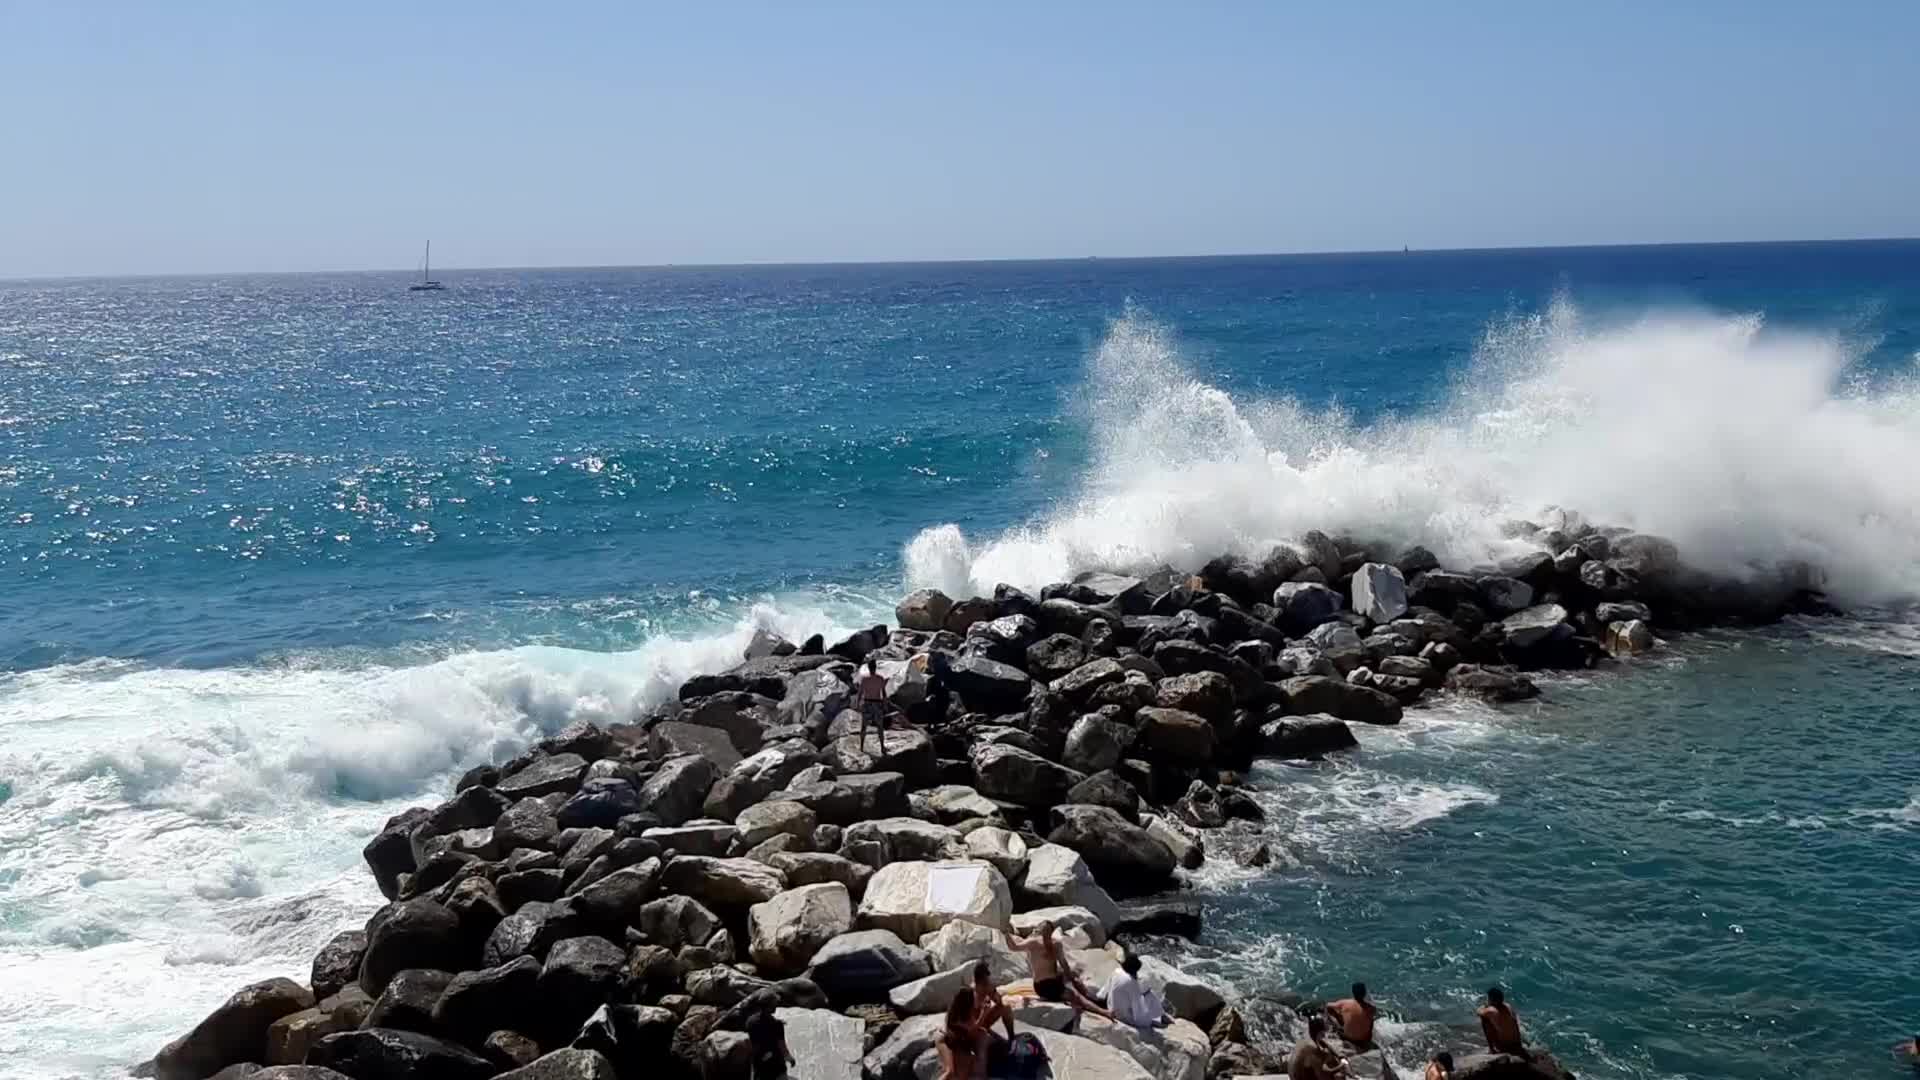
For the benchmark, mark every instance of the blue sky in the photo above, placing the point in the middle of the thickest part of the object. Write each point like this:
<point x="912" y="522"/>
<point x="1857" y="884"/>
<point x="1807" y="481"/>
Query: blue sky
<point x="151" y="138"/>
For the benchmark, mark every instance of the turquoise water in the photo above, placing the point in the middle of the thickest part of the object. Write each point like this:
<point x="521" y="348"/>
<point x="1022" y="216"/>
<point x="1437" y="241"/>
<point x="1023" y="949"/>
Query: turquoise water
<point x="285" y="553"/>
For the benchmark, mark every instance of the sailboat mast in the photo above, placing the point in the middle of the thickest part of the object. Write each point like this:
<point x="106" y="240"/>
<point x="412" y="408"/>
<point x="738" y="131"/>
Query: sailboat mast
<point x="426" y="265"/>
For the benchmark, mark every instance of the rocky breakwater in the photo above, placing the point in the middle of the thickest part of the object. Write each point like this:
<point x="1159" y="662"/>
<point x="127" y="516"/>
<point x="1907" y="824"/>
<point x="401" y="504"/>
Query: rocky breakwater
<point x="604" y="904"/>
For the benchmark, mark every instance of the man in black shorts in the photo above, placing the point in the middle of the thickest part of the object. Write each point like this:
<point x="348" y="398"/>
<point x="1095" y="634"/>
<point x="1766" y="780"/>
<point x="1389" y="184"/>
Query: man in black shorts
<point x="1053" y="977"/>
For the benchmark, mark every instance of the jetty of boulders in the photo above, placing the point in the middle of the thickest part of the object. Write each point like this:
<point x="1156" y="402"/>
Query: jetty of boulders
<point x="602" y="905"/>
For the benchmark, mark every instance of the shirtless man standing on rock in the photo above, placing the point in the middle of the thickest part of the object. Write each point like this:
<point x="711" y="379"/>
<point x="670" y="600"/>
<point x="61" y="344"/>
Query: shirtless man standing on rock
<point x="1053" y="977"/>
<point x="1355" y="1016"/>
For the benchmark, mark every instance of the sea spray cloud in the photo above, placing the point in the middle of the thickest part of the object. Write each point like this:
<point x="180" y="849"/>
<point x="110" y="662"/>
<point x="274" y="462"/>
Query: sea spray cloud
<point x="1750" y="446"/>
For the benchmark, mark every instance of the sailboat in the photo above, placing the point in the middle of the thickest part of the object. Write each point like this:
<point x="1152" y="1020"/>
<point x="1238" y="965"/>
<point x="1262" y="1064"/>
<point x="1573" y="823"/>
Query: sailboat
<point x="426" y="282"/>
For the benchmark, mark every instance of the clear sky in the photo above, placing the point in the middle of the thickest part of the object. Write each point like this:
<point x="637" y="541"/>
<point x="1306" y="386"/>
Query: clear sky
<point x="214" y="136"/>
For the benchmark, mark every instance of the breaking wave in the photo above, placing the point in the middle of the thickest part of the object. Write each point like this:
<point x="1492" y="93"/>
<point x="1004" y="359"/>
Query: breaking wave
<point x="1749" y="446"/>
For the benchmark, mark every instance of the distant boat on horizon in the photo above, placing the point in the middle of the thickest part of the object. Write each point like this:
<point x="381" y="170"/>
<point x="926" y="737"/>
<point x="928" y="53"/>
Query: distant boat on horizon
<point x="426" y="282"/>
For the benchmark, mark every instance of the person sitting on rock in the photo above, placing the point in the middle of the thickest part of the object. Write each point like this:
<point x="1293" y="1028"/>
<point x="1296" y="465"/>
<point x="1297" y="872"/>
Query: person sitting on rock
<point x="1355" y="1016"/>
<point x="989" y="1003"/>
<point x="962" y="1042"/>
<point x="1501" y="1025"/>
<point x="939" y="695"/>
<point x="767" y="1037"/>
<point x="1441" y="1067"/>
<point x="1053" y="977"/>
<point x="873" y="704"/>
<point x="1909" y="1052"/>
<point x="1312" y="1058"/>
<point x="1129" y="999"/>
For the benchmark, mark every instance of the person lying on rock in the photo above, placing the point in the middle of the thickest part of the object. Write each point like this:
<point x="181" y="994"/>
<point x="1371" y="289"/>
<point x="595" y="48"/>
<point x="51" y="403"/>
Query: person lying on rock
<point x="1053" y="977"/>
<point x="1441" y="1067"/>
<point x="1129" y="999"/>
<point x="1312" y="1058"/>
<point x="1355" y="1015"/>
<point x="963" y="1042"/>
<point x="873" y="704"/>
<point x="1501" y="1025"/>
<point x="990" y="1005"/>
<point x="767" y="1037"/>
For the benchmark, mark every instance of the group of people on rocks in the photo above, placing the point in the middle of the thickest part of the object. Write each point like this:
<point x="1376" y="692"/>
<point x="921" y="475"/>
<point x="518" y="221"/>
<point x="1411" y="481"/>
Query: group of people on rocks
<point x="968" y="1046"/>
<point x="1314" y="1059"/>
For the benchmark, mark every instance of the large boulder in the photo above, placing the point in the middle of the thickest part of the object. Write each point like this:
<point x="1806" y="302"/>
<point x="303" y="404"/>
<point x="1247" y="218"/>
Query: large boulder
<point x="1121" y="854"/>
<point x="1066" y="918"/>
<point x="745" y="717"/>
<point x="783" y="933"/>
<point x="337" y="965"/>
<point x="1537" y="1066"/>
<point x="1179" y="1051"/>
<point x="1002" y="847"/>
<point x="1299" y="606"/>
<point x="290" y="1038"/>
<point x="895" y="1056"/>
<point x="951" y="804"/>
<point x="1180" y="737"/>
<point x="988" y="685"/>
<point x="825" y="1044"/>
<point x="1004" y="771"/>
<point x="1505" y="595"/>
<point x="913" y="899"/>
<point x="1491" y="683"/>
<point x="390" y="853"/>
<point x="676" y="791"/>
<point x="756" y="777"/>
<point x="380" y="1053"/>
<point x="1628" y="638"/>
<point x="580" y="974"/>
<point x="1308" y="694"/>
<point x="529" y="823"/>
<point x="1207" y="694"/>
<point x="1305" y="737"/>
<point x="699" y="837"/>
<point x="908" y="752"/>
<point x="1080" y="684"/>
<point x="1536" y="625"/>
<point x="812" y="700"/>
<point x="409" y="1000"/>
<point x="1379" y="592"/>
<point x="674" y="921"/>
<point x="566" y="1063"/>
<point x="478" y="1003"/>
<point x="1097" y="742"/>
<point x="411" y="934"/>
<point x="722" y="883"/>
<point x="600" y="804"/>
<point x="1108" y="789"/>
<point x="923" y="609"/>
<point x="638" y="1039"/>
<point x="763" y="821"/>
<point x="959" y="943"/>
<point x="672" y="738"/>
<point x="547" y="774"/>
<point x="232" y="1033"/>
<point x="1055" y="655"/>
<point x="899" y="839"/>
<point x="866" y="964"/>
<point x="1185" y="843"/>
<point x="818" y="868"/>
<point x="932" y="994"/>
<point x="1058" y="877"/>
<point x="1189" y="996"/>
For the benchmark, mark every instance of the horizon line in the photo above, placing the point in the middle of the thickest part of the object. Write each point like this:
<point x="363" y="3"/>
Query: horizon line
<point x="772" y="264"/>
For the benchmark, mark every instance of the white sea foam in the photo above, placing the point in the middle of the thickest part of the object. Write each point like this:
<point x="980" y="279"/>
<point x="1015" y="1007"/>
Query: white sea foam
<point x="172" y="834"/>
<point x="1749" y="446"/>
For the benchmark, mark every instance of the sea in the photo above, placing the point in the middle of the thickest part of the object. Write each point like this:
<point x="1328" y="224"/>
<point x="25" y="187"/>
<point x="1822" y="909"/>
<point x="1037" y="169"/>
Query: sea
<point x="284" y="554"/>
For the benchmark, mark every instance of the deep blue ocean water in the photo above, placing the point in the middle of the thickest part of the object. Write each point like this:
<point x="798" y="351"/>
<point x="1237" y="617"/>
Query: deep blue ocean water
<point x="282" y="553"/>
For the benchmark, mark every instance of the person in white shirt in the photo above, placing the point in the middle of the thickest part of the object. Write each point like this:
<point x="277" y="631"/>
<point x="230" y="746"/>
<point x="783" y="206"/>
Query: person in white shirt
<point x="1129" y="1000"/>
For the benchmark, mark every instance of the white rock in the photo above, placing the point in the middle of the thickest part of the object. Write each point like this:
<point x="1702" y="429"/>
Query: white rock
<point x="964" y="944"/>
<point x="1071" y="1058"/>
<point x="914" y="899"/>
<point x="1379" y="592"/>
<point x="1188" y="996"/>
<point x="1058" y="876"/>
<point x="784" y="932"/>
<point x="1001" y="847"/>
<point x="923" y="997"/>
<point x="1065" y="919"/>
<point x="825" y="1044"/>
